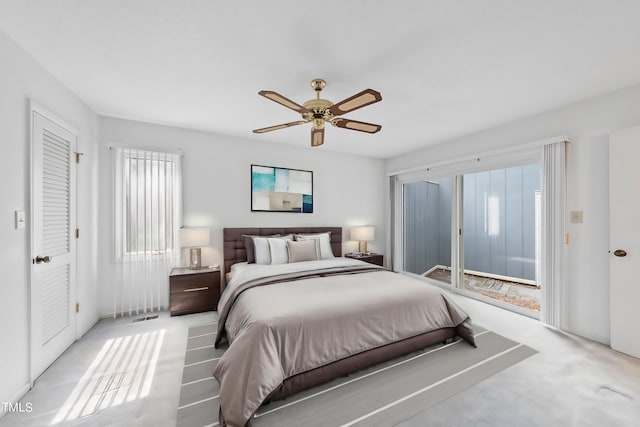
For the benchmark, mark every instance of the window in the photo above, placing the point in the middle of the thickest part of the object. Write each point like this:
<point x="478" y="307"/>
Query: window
<point x="147" y="204"/>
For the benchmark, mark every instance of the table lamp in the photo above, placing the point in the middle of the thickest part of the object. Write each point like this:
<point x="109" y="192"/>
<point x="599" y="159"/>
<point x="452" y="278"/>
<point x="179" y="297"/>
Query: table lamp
<point x="194" y="239"/>
<point x="362" y="234"/>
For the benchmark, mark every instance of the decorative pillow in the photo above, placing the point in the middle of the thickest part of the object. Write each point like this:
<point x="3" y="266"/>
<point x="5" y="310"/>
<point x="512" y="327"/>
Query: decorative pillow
<point x="247" y="239"/>
<point x="262" y="250"/>
<point x="303" y="250"/>
<point x="278" y="250"/>
<point x="271" y="250"/>
<point x="323" y="243"/>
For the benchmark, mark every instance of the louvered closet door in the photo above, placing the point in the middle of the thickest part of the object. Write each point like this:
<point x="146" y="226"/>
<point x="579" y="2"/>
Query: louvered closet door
<point x="53" y="286"/>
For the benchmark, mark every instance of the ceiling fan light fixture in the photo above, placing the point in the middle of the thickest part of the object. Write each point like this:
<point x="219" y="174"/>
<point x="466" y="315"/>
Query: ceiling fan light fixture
<point x="318" y="123"/>
<point x="319" y="111"/>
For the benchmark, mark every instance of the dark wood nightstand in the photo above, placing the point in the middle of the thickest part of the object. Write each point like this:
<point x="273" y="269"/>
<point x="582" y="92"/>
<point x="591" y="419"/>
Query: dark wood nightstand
<point x="193" y="291"/>
<point x="376" y="259"/>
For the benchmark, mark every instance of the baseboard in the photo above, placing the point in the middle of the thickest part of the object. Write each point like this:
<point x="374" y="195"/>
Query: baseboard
<point x="16" y="398"/>
<point x="92" y="324"/>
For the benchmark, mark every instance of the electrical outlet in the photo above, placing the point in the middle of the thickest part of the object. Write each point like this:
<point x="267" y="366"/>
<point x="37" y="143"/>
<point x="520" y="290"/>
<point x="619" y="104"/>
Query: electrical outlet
<point x="576" y="217"/>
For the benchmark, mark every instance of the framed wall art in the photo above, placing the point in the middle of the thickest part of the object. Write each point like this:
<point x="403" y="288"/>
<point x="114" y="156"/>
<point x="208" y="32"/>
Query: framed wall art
<point x="275" y="189"/>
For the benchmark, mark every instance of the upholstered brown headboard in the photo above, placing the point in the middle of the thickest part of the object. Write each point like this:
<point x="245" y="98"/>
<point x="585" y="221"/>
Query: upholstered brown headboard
<point x="234" y="248"/>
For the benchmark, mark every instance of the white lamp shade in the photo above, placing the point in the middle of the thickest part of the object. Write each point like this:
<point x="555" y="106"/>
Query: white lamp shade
<point x="194" y="237"/>
<point x="364" y="233"/>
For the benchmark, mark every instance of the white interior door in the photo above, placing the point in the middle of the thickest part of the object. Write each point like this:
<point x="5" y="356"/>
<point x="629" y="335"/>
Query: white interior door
<point x="624" y="229"/>
<point x="53" y="243"/>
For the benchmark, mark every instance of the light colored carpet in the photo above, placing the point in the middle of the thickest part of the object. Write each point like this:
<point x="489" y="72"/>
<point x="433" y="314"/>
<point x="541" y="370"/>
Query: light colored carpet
<point x="385" y="394"/>
<point x="571" y="381"/>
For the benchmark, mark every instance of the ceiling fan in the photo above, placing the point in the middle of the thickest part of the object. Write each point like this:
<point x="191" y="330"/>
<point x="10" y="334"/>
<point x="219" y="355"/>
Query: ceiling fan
<point x="320" y="111"/>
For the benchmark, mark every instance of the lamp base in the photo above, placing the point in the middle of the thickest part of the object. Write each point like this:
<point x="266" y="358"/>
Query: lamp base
<point x="362" y="247"/>
<point x="195" y="259"/>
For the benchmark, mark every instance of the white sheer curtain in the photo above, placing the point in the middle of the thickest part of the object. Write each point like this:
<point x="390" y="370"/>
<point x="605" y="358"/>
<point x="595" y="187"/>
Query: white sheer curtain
<point x="392" y="200"/>
<point x="148" y="214"/>
<point x="554" y="286"/>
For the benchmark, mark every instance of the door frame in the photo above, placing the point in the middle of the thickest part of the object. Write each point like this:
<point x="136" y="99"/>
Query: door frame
<point x="35" y="107"/>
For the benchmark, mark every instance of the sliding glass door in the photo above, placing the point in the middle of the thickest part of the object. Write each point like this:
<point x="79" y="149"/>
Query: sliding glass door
<point x="427" y="228"/>
<point x="477" y="232"/>
<point x="499" y="234"/>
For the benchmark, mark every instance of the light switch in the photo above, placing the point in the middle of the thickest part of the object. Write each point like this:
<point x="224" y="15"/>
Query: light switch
<point x="576" y="217"/>
<point x="20" y="222"/>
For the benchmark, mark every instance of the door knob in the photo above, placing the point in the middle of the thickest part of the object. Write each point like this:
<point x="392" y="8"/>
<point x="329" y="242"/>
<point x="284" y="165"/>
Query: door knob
<point x="45" y="259"/>
<point x="620" y="252"/>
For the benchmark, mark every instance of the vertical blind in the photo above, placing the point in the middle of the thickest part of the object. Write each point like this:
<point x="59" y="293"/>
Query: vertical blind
<point x="554" y="287"/>
<point x="148" y="205"/>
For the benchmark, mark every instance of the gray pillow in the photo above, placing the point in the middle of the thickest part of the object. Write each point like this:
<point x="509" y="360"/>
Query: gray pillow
<point x="323" y="243"/>
<point x="304" y="250"/>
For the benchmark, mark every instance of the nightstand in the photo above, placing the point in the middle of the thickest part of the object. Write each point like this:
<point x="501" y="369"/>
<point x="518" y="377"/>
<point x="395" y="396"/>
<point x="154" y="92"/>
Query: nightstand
<point x="372" y="258"/>
<point x="193" y="291"/>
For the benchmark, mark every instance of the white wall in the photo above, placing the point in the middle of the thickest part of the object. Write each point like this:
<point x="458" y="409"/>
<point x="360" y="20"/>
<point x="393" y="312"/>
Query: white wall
<point x="348" y="189"/>
<point x="22" y="78"/>
<point x="588" y="123"/>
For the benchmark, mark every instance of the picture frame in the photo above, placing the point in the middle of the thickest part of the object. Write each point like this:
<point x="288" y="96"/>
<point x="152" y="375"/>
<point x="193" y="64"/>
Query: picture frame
<point x="279" y="189"/>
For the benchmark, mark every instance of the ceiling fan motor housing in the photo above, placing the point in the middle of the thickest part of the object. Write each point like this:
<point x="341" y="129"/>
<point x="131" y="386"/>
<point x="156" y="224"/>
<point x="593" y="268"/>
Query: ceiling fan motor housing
<point x="319" y="112"/>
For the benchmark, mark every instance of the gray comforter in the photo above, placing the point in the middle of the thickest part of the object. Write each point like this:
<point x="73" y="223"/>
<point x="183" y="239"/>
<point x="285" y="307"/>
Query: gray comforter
<point x="297" y="320"/>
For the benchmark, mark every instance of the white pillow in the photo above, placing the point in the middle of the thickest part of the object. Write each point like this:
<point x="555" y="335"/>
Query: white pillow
<point x="278" y="249"/>
<point x="271" y="250"/>
<point x="262" y="251"/>
<point x="323" y="243"/>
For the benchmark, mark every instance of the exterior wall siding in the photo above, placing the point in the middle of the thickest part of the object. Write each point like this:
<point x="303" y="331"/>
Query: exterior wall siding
<point x="499" y="222"/>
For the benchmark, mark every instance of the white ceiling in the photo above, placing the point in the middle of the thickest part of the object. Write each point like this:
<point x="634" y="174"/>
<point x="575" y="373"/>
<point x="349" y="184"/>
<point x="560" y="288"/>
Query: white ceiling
<point x="445" y="68"/>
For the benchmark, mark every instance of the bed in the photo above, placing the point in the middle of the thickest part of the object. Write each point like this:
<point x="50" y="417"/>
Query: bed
<point x="293" y="326"/>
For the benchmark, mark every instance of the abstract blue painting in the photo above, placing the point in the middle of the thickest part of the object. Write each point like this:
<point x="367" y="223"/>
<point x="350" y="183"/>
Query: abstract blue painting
<point x="275" y="189"/>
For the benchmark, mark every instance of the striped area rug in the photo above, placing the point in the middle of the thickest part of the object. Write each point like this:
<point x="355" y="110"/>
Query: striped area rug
<point x="385" y="394"/>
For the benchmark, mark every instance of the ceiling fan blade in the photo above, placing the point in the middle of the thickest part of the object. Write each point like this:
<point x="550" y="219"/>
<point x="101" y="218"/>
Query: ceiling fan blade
<point x="283" y="101"/>
<point x="356" y="125"/>
<point x="317" y="137"/>
<point x="359" y="100"/>
<point x="282" y="126"/>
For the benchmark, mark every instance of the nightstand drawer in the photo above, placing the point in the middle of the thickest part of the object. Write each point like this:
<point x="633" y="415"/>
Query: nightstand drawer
<point x="375" y="259"/>
<point x="191" y="282"/>
<point x="194" y="302"/>
<point x="193" y="291"/>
